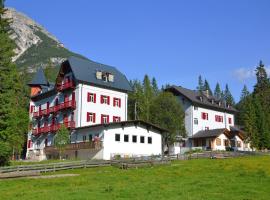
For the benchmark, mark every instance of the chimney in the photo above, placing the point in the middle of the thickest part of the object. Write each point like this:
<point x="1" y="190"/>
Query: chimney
<point x="206" y="93"/>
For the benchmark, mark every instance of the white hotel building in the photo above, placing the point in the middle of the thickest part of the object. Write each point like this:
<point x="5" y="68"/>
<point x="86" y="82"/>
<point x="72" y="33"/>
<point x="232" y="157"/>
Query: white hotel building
<point x="90" y="99"/>
<point x="209" y="122"/>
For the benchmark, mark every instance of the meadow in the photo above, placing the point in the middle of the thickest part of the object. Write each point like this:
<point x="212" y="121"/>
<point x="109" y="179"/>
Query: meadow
<point x="244" y="178"/>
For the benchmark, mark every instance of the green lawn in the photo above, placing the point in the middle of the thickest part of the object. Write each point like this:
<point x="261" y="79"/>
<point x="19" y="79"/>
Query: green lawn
<point x="237" y="178"/>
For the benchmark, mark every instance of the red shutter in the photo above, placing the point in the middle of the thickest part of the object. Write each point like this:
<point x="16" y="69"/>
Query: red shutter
<point x="94" y="117"/>
<point x="119" y="102"/>
<point x="101" y="99"/>
<point x="108" y="100"/>
<point x="101" y="119"/>
<point x="95" y="98"/>
<point x="114" y="99"/>
<point x="108" y="119"/>
<point x="88" y="97"/>
<point x="114" y="119"/>
<point x="29" y="144"/>
<point x="87" y="116"/>
<point x="119" y="119"/>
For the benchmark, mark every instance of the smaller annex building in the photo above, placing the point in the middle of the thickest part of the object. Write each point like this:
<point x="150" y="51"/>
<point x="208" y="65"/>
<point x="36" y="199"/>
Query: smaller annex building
<point x="124" y="139"/>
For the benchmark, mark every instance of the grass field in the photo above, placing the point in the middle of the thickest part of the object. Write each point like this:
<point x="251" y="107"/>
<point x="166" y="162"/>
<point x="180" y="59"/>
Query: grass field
<point x="237" y="178"/>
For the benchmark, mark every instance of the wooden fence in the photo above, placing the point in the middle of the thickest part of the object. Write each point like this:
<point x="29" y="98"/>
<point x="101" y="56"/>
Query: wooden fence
<point x="122" y="163"/>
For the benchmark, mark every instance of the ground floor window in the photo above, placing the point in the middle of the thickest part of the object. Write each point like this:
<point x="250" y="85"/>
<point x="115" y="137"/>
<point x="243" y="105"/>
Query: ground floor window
<point x="126" y="138"/>
<point x="84" y="138"/>
<point x="218" y="142"/>
<point x="239" y="144"/>
<point x="142" y="139"/>
<point x="149" y="140"/>
<point x="134" y="138"/>
<point x="226" y="142"/>
<point x="117" y="137"/>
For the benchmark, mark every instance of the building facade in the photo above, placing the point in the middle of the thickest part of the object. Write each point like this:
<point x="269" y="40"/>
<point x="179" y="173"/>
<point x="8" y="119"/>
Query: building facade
<point x="209" y="122"/>
<point x="85" y="94"/>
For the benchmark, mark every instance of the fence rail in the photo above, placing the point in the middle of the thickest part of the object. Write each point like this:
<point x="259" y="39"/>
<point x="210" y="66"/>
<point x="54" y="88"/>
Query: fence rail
<point x="52" y="167"/>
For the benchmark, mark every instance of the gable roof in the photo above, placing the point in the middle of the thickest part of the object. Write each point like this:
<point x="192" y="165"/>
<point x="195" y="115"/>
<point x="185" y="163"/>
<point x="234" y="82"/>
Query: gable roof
<point x="124" y="123"/>
<point x="194" y="96"/>
<point x="39" y="79"/>
<point x="84" y="70"/>
<point x="210" y="133"/>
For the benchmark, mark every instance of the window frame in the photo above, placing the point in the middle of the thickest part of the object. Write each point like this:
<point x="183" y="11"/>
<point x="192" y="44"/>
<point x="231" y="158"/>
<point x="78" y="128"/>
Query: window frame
<point x="117" y="137"/>
<point x="142" y="139"/>
<point x="126" y="138"/>
<point x="149" y="140"/>
<point x="134" y="137"/>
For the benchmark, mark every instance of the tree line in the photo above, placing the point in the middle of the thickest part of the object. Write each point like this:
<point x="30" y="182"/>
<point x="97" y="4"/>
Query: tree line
<point x="254" y="110"/>
<point x="224" y="95"/>
<point x="149" y="103"/>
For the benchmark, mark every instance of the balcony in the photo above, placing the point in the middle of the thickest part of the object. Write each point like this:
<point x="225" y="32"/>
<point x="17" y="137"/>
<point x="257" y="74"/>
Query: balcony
<point x="53" y="128"/>
<point x="76" y="146"/>
<point x="65" y="105"/>
<point x="66" y="85"/>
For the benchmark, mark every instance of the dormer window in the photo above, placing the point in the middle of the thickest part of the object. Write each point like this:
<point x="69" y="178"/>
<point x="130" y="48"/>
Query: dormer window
<point x="105" y="76"/>
<point x="219" y="103"/>
<point x="212" y="101"/>
<point x="201" y="98"/>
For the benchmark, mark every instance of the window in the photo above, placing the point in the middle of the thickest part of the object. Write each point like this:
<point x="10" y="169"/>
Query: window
<point x="38" y="144"/>
<point x="116" y="119"/>
<point x="117" y="137"/>
<point x="134" y="138"/>
<point x="126" y="138"/>
<point x="149" y="140"/>
<point x="105" y="99"/>
<point x="117" y="102"/>
<point x="104" y="119"/>
<point x="196" y="121"/>
<point x="226" y="142"/>
<point x="206" y="128"/>
<point x="218" y="142"/>
<point x="91" y="97"/>
<point x="239" y="144"/>
<point x="218" y="118"/>
<point x="91" y="117"/>
<point x="142" y="139"/>
<point x="29" y="144"/>
<point x="204" y="116"/>
<point x="32" y="108"/>
<point x="195" y="108"/>
<point x="230" y="120"/>
<point x="90" y="137"/>
<point x="84" y="138"/>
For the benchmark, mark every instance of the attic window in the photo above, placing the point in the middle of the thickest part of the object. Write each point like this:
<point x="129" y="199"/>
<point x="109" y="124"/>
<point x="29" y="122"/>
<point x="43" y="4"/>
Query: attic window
<point x="219" y="103"/>
<point x="201" y="98"/>
<point x="105" y="76"/>
<point x="212" y="101"/>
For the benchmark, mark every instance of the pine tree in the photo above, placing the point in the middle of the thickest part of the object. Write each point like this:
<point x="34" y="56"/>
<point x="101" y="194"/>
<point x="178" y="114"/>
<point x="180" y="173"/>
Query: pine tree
<point x="155" y="86"/>
<point x="148" y="98"/>
<point x="13" y="114"/>
<point x="245" y="93"/>
<point x="200" y="84"/>
<point x="206" y="87"/>
<point x="217" y="92"/>
<point x="228" y="96"/>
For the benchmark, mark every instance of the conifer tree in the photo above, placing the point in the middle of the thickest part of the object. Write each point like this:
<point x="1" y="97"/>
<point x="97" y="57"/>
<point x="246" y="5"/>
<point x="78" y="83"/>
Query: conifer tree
<point x="217" y="92"/>
<point x="148" y="98"/>
<point x="206" y="87"/>
<point x="13" y="114"/>
<point x="244" y="93"/>
<point x="228" y="96"/>
<point x="200" y="84"/>
<point x="155" y="86"/>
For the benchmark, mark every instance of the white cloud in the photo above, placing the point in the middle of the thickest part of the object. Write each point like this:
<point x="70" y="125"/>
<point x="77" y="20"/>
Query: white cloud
<point x="243" y="74"/>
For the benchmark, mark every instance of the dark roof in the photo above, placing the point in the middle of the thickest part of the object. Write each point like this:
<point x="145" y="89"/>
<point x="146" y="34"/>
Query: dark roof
<point x="39" y="79"/>
<point x="210" y="133"/>
<point x="205" y="101"/>
<point x="124" y="123"/>
<point x="85" y="71"/>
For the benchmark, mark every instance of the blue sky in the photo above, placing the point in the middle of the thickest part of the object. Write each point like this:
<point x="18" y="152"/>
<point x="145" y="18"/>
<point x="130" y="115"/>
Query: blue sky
<point x="174" y="41"/>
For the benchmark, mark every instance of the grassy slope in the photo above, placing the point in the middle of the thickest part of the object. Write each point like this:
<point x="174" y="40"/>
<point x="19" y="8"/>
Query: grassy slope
<point x="240" y="178"/>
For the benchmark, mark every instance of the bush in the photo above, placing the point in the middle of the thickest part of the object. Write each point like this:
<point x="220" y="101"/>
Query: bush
<point x="5" y="153"/>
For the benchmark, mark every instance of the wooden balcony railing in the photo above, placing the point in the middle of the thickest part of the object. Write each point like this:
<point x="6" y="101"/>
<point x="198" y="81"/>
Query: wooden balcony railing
<point x="65" y="105"/>
<point x="76" y="146"/>
<point x="66" y="85"/>
<point x="53" y="128"/>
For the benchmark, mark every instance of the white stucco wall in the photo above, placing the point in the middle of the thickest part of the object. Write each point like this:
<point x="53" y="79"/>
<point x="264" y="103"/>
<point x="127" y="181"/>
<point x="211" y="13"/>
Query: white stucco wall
<point x="99" y="108"/>
<point x="130" y="149"/>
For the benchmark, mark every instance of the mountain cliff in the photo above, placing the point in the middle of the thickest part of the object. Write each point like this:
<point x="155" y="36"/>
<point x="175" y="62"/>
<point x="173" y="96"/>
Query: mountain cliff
<point x="36" y="47"/>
